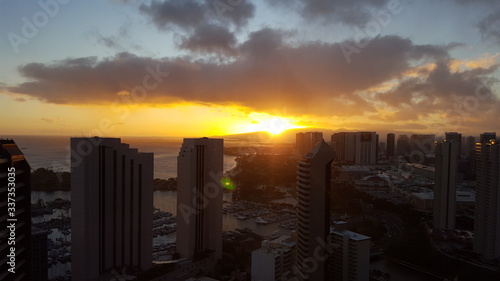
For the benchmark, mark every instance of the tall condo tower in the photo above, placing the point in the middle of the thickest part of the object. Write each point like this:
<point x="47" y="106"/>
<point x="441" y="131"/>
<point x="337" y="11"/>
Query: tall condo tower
<point x="391" y="145"/>
<point x="15" y="213"/>
<point x="199" y="197"/>
<point x="445" y="187"/>
<point x="313" y="181"/>
<point x="487" y="207"/>
<point x="111" y="207"/>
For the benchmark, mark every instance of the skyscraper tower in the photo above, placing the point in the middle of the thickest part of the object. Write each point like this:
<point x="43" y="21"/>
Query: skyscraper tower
<point x="15" y="213"/>
<point x="391" y="141"/>
<point x="455" y="137"/>
<point x="445" y="187"/>
<point x="486" y="137"/>
<point x="199" y="197"/>
<point x="366" y="148"/>
<point x="111" y="207"/>
<point x="313" y="181"/>
<point x="487" y="207"/>
<point x="344" y="145"/>
<point x="403" y="145"/>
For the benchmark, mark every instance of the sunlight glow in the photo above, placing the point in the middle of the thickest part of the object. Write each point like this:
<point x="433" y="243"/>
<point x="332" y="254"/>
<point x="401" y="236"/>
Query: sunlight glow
<point x="274" y="125"/>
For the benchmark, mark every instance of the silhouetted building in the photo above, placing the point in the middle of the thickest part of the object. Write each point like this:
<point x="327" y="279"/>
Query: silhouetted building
<point x="391" y="145"/>
<point x="15" y="219"/>
<point x="304" y="142"/>
<point x="420" y="147"/>
<point x="199" y="197"/>
<point x="300" y="143"/>
<point x="366" y="148"/>
<point x="111" y="208"/>
<point x="455" y="137"/>
<point x="470" y="147"/>
<point x="351" y="254"/>
<point x="313" y="226"/>
<point x="445" y="187"/>
<point x="39" y="264"/>
<point x="344" y="145"/>
<point x="487" y="207"/>
<point x="403" y="145"/>
<point x="486" y="137"/>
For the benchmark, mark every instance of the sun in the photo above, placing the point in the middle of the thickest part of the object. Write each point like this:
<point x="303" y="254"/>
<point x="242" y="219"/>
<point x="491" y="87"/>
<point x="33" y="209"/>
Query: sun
<point x="274" y="125"/>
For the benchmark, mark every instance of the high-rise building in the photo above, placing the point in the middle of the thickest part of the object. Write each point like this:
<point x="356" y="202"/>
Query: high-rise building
<point x="470" y="147"/>
<point x="455" y="137"/>
<point x="446" y="177"/>
<point x="15" y="213"/>
<point x="487" y="207"/>
<point x="313" y="182"/>
<point x="391" y="138"/>
<point x="403" y="145"/>
<point x="421" y="145"/>
<point x="344" y="145"/>
<point x="300" y="143"/>
<point x="486" y="137"/>
<point x="199" y="197"/>
<point x="351" y="254"/>
<point x="304" y="142"/>
<point x="273" y="261"/>
<point x="366" y="148"/>
<point x="111" y="208"/>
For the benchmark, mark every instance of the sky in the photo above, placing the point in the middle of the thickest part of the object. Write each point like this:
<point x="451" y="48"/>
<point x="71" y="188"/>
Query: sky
<point x="196" y="68"/>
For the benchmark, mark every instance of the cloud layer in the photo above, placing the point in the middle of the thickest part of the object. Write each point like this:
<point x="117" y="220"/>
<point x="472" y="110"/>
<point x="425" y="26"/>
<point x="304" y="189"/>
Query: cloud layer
<point x="268" y="74"/>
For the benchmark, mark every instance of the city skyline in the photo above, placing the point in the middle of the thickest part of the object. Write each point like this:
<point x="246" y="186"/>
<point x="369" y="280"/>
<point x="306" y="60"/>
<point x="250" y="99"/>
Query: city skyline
<point x="209" y="68"/>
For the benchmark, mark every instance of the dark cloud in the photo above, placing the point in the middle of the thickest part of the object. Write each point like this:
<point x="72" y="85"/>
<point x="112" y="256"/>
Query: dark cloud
<point x="444" y="91"/>
<point x="490" y="27"/>
<point x="188" y="14"/>
<point x="267" y="74"/>
<point x="210" y="39"/>
<point x="20" y="99"/>
<point x="348" y="12"/>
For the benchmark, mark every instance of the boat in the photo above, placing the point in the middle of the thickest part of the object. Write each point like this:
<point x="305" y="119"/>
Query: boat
<point x="240" y="217"/>
<point x="259" y="220"/>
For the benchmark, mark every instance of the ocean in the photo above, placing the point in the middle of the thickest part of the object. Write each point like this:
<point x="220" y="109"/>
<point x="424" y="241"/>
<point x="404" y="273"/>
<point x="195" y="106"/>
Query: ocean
<point x="54" y="152"/>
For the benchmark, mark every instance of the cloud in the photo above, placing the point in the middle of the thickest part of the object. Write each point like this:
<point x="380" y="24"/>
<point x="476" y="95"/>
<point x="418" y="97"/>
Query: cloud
<point x="312" y="79"/>
<point x="210" y="39"/>
<point x="188" y="14"/>
<point x="20" y="99"/>
<point x="357" y="13"/>
<point x="451" y="94"/>
<point x="490" y="27"/>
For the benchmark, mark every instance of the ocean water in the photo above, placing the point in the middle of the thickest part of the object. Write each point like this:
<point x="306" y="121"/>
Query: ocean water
<point x="54" y="152"/>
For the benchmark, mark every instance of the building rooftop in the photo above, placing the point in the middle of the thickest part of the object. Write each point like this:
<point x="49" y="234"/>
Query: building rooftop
<point x="352" y="235"/>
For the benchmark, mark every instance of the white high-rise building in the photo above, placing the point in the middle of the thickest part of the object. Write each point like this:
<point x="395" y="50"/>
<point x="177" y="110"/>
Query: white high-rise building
<point x="487" y="206"/>
<point x="366" y="148"/>
<point x="446" y="177"/>
<point x="199" y="197"/>
<point x="313" y="181"/>
<point x="274" y="260"/>
<point x="351" y="254"/>
<point x="111" y="208"/>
